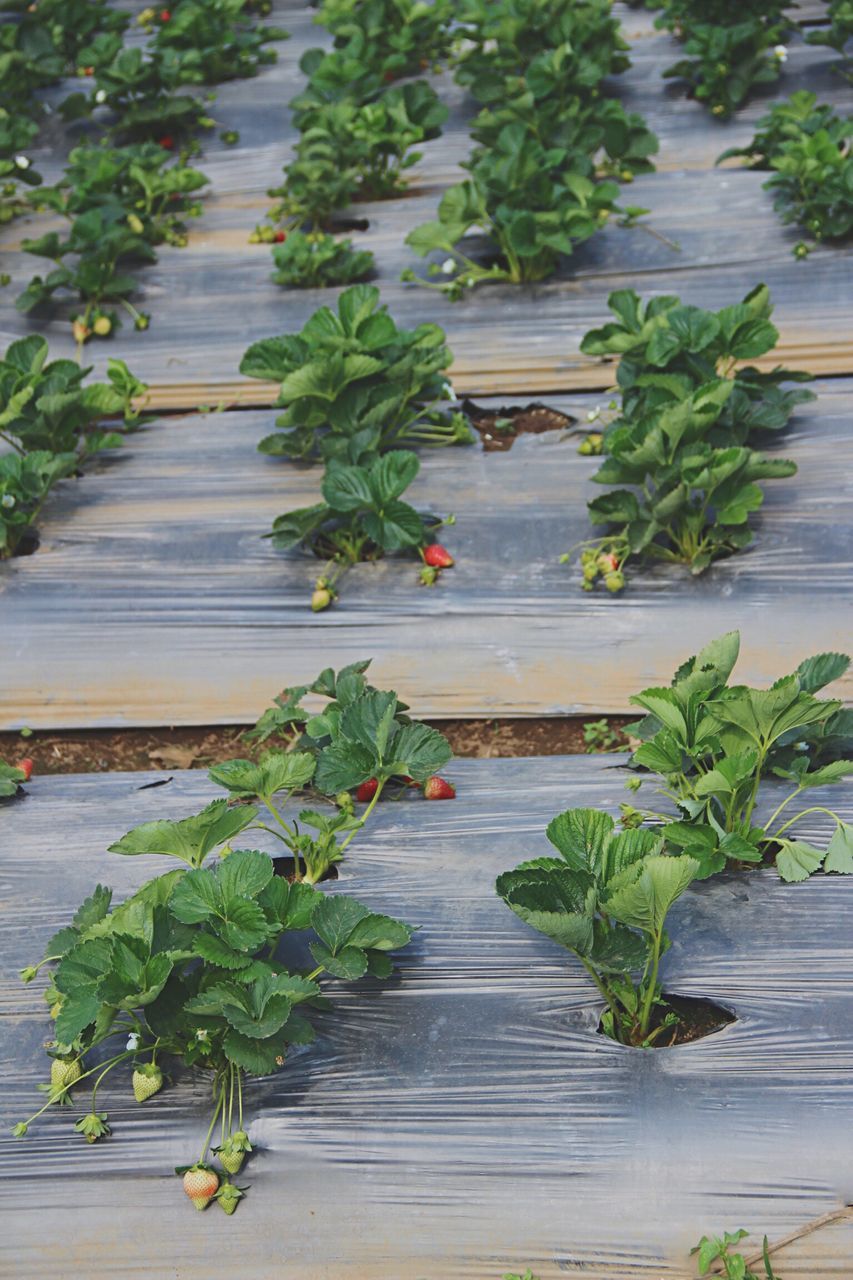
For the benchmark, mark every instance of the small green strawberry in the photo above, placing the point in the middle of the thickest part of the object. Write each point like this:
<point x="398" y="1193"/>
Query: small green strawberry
<point x="233" y="1151"/>
<point x="147" y="1080"/>
<point x="229" y="1196"/>
<point x="201" y="1184"/>
<point x="64" y="1072"/>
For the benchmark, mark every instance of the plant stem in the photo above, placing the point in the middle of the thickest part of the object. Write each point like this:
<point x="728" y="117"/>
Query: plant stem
<point x="365" y="815"/>
<point x="817" y="808"/>
<point x="220" y="1103"/>
<point x="651" y="988"/>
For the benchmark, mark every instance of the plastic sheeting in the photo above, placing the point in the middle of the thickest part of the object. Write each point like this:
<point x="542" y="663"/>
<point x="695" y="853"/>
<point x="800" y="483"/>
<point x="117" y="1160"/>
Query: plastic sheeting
<point x="209" y="301"/>
<point x="154" y="597"/>
<point x="465" y="1119"/>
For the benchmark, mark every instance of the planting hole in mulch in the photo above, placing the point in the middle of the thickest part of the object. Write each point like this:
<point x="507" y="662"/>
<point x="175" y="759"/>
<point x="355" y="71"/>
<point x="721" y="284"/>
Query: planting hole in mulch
<point x="286" y="868"/>
<point x="347" y="224"/>
<point x="698" y="1018"/>
<point x="499" y="428"/>
<point x="28" y="544"/>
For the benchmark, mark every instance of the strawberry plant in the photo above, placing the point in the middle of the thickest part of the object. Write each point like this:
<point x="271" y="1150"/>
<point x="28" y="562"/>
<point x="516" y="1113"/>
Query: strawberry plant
<point x="680" y="440"/>
<point x="729" y="51"/>
<point x="360" y="518"/>
<point x="395" y="37"/>
<point x="11" y="777"/>
<point x="51" y="424"/>
<point x="606" y="899"/>
<point x="711" y="1250"/>
<point x="198" y="967"/>
<point x="808" y="148"/>
<point x="353" y="384"/>
<point x="315" y="260"/>
<point x="714" y="744"/>
<point x="420" y="750"/>
<point x="216" y="40"/>
<point x="840" y="30"/>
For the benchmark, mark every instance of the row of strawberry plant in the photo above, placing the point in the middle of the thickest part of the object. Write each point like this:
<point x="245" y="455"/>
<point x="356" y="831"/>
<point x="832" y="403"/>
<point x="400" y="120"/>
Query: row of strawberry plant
<point x="550" y="142"/>
<point x="205" y="965"/>
<point x="134" y="188"/>
<point x="682" y="432"/>
<point x="51" y="423"/>
<point x="357" y="131"/>
<point x="729" y="48"/>
<point x="807" y="147"/>
<point x="359" y="395"/>
<point x="713" y="745"/>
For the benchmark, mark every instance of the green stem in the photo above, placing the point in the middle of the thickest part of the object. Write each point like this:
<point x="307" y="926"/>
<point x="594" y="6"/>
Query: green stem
<point x="315" y="973"/>
<point x="220" y="1103"/>
<point x="365" y="815"/>
<point x="652" y="985"/>
<point x="775" y="814"/>
<point x="606" y="997"/>
<point x="817" y="808"/>
<point x="240" y="1095"/>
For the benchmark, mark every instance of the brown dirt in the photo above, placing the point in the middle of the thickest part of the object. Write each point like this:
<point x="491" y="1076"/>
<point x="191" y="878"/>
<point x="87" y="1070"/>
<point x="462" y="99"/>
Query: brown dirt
<point x="120" y="750"/>
<point x="499" y="428"/>
<point x="697" y="1018"/>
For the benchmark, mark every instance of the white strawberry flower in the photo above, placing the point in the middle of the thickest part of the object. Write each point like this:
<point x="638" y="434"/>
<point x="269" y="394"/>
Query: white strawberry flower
<point x="133" y="1041"/>
<point x="490" y="46"/>
<point x="201" y="1035"/>
<point x="101" y="96"/>
<point x="780" y="52"/>
<point x="448" y="266"/>
<point x="22" y="162"/>
<point x="7" y="501"/>
<point x="593" y="413"/>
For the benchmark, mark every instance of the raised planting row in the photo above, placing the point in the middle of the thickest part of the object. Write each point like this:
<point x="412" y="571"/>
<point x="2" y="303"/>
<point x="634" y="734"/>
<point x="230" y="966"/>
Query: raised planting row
<point x="487" y="1061"/>
<point x="221" y="265"/>
<point x="156" y="565"/>
<point x="120" y="193"/>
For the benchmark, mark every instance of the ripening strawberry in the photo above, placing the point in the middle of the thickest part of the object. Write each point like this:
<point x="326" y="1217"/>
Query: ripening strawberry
<point x="165" y="15"/>
<point x="103" y="326"/>
<point x="26" y="768"/>
<point x="321" y="598"/>
<point x="201" y="1185"/>
<point x="80" y="331"/>
<point x="608" y="562"/>
<point x="228" y="1197"/>
<point x="233" y="1152"/>
<point x="167" y="141"/>
<point x="147" y="1080"/>
<point x="436" y="788"/>
<point x="280" y="237"/>
<point x="64" y="1072"/>
<point x="438" y="557"/>
<point x="367" y="790"/>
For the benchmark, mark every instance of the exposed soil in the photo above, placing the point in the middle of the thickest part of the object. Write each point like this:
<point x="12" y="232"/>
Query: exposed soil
<point x="499" y="428"/>
<point x="121" y="750"/>
<point x="286" y="868"/>
<point x="697" y="1018"/>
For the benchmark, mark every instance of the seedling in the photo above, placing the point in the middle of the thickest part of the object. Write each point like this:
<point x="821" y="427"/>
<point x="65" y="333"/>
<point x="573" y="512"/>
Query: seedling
<point x="606" y="899"/>
<point x="715" y="745"/>
<point x="710" y="1250"/>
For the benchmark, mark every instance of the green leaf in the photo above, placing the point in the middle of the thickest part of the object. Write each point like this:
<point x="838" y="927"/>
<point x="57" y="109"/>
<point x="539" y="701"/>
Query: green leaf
<point x="93" y="910"/>
<point x="77" y="1013"/>
<point x="380" y="933"/>
<point x="216" y="952"/>
<point x="289" y="906"/>
<point x="554" y="899"/>
<point x="581" y="836"/>
<point x="822" y="669"/>
<point x="418" y="752"/>
<point x="347" y="488"/>
<point x="343" y="766"/>
<point x="349" y="964"/>
<point x="654" y="885"/>
<point x="392" y="475"/>
<point x="335" y="918"/>
<point x="839" y="855"/>
<point x="276" y="771"/>
<point x="835" y="771"/>
<point x="797" y="860"/>
<point x="190" y="839"/>
<point x="257" y="1057"/>
<point x="244" y="873"/>
<point x="197" y="897"/>
<point x="243" y="925"/>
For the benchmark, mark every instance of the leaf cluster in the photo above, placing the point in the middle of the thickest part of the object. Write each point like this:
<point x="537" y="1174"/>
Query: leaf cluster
<point x="808" y="148"/>
<point x="715" y="745"/>
<point x="606" y="899"/>
<point x="681" y="440"/>
<point x="728" y="51"/>
<point x="357" y="134"/>
<point x="711" y="1249"/>
<point x="314" y="260"/>
<point x="549" y="138"/>
<point x="53" y="421"/>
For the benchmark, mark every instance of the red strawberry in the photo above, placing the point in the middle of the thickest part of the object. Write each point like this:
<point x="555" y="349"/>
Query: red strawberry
<point x="167" y="141"/>
<point x="201" y="1185"/>
<point x="608" y="562"/>
<point x="165" y="15"/>
<point x="389" y="77"/>
<point x="436" y="788"/>
<point x="280" y="237"/>
<point x="26" y="768"/>
<point x="367" y="790"/>
<point x="438" y="557"/>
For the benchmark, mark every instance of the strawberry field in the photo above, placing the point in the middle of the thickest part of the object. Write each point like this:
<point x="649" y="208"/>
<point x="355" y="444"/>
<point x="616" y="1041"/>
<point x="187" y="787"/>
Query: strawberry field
<point x="367" y="368"/>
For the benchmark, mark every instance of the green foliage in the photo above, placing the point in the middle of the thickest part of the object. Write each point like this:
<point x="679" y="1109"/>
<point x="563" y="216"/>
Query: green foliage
<point x="11" y="778"/>
<point x="606" y="899"/>
<point x="808" y="148"/>
<point x="315" y="260"/>
<point x="53" y="422"/>
<point x="394" y="38"/>
<point x="681" y="441"/>
<point x="839" y="32"/>
<point x="715" y="744"/>
<point x="710" y="1250"/>
<point x="729" y="51"/>
<point x="352" y="383"/>
<point x="547" y="139"/>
